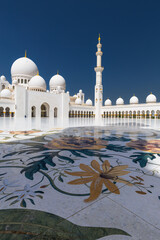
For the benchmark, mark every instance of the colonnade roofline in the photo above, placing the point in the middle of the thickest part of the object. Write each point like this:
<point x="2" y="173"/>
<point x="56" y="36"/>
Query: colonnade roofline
<point x="139" y="105"/>
<point x="82" y="108"/>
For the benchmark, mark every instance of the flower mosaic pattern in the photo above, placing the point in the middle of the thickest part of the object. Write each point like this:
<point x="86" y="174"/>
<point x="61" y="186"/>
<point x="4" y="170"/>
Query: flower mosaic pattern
<point x="28" y="193"/>
<point x="9" y="194"/>
<point x="34" y="171"/>
<point x="77" y="143"/>
<point x="24" y="132"/>
<point x="152" y="146"/>
<point x="56" y="158"/>
<point x="98" y="177"/>
<point x="6" y="184"/>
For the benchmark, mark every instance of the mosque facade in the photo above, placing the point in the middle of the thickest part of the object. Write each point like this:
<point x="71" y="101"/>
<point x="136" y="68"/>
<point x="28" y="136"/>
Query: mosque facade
<point x="27" y="96"/>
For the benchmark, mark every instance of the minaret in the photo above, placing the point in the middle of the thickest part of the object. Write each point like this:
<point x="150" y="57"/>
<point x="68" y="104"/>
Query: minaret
<point x="98" y="87"/>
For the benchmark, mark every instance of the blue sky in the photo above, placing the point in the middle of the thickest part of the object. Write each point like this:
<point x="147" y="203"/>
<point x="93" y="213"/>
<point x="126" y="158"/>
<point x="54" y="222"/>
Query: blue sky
<point x="63" y="35"/>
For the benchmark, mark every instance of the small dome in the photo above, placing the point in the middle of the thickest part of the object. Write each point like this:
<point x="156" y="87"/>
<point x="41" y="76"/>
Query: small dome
<point x="59" y="89"/>
<point x="37" y="82"/>
<point x="57" y="81"/>
<point x="3" y="78"/>
<point x="75" y="96"/>
<point x="6" y="93"/>
<point x="15" y="82"/>
<point x="80" y="91"/>
<point x="108" y="102"/>
<point x="151" y="98"/>
<point x="120" y="101"/>
<point x="78" y="101"/>
<point x="24" y="67"/>
<point x="89" y="102"/>
<point x="134" y="100"/>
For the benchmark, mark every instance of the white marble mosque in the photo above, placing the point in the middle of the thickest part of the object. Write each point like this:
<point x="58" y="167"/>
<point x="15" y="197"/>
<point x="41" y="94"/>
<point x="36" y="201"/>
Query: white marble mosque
<point x="27" y="96"/>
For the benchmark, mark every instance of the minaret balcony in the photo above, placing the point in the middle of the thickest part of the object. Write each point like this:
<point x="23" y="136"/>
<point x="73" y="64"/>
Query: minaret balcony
<point x="99" y="53"/>
<point x="99" y="45"/>
<point x="98" y="69"/>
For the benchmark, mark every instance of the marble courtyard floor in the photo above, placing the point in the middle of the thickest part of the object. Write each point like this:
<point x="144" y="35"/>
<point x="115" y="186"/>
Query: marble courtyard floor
<point x="80" y="183"/>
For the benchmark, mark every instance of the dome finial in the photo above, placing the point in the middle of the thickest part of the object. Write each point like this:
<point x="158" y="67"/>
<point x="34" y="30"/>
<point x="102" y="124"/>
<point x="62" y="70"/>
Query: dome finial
<point x="25" y="53"/>
<point x="37" y="73"/>
<point x="99" y="39"/>
<point x="151" y="92"/>
<point x="57" y="72"/>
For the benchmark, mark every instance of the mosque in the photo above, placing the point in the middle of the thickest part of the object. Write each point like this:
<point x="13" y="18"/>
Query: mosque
<point x="27" y="96"/>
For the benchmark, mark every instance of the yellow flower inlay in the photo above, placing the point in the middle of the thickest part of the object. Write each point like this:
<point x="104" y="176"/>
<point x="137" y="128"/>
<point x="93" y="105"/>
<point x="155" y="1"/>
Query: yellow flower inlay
<point x="97" y="176"/>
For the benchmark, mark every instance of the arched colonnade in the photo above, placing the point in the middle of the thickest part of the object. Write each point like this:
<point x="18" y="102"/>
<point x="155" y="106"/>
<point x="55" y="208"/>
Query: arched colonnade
<point x="132" y="114"/>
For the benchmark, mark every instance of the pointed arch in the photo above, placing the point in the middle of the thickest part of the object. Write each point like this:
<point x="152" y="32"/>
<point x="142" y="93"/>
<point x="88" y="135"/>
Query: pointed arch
<point x="55" y="112"/>
<point x="7" y="112"/>
<point x="45" y="110"/>
<point x="1" y="112"/>
<point x="33" y="111"/>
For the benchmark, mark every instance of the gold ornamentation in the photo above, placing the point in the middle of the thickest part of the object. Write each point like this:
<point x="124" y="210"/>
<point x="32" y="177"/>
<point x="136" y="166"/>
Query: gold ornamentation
<point x="99" y="39"/>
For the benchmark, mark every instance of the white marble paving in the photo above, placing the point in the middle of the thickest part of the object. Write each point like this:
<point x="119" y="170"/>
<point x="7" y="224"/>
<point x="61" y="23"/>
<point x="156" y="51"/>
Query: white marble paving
<point x="106" y="213"/>
<point x="134" y="213"/>
<point x="145" y="206"/>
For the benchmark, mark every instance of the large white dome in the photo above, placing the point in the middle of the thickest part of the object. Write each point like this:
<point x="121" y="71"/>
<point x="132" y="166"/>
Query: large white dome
<point x="57" y="81"/>
<point x="120" y="101"/>
<point x="37" y="83"/>
<point x="89" y="102"/>
<point x="134" y="100"/>
<point x="108" y="102"/>
<point x="151" y="98"/>
<point x="6" y="93"/>
<point x="24" y="67"/>
<point x="78" y="101"/>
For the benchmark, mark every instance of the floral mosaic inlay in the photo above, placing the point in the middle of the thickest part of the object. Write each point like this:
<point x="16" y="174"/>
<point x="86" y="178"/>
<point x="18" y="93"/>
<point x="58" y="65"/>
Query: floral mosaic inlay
<point x="98" y="177"/>
<point x="56" y="157"/>
<point x="83" y="164"/>
<point x="152" y="146"/>
<point x="79" y="143"/>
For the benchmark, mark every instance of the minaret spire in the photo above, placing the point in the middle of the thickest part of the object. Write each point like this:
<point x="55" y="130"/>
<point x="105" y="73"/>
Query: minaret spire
<point x="98" y="87"/>
<point x="99" y="39"/>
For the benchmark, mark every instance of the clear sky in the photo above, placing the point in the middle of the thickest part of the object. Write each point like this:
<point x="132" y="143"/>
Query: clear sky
<point x="63" y="35"/>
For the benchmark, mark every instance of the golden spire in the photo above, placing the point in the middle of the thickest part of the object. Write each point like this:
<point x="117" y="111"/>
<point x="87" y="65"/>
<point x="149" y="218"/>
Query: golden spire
<point x="37" y="73"/>
<point x="57" y="72"/>
<point x="25" y="53"/>
<point x="99" y="39"/>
